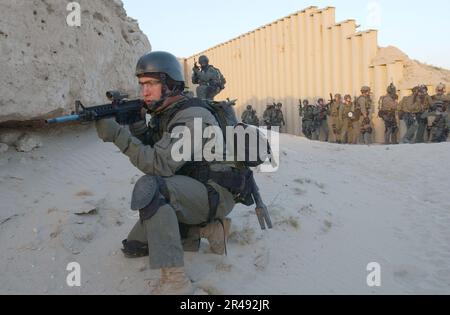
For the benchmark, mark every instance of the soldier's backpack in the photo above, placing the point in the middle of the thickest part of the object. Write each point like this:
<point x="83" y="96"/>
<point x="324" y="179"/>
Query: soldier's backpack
<point x="222" y="80"/>
<point x="225" y="115"/>
<point x="239" y="181"/>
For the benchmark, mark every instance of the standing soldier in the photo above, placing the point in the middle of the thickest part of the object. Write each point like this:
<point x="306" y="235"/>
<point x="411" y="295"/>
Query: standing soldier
<point x="249" y="117"/>
<point x="335" y="118"/>
<point x="387" y="111"/>
<point x="346" y="121"/>
<point x="438" y="122"/>
<point x="440" y="95"/>
<point x="278" y="116"/>
<point x="268" y="116"/>
<point x="322" y="120"/>
<point x="408" y="112"/>
<point x="363" y="109"/>
<point x="308" y="126"/>
<point x="210" y="80"/>
<point x="423" y="102"/>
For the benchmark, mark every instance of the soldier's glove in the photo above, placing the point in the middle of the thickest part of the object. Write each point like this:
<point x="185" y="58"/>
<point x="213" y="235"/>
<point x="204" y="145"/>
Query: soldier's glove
<point x="107" y="129"/>
<point x="139" y="128"/>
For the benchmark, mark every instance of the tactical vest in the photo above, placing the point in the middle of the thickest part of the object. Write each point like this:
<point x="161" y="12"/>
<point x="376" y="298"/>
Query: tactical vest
<point x="358" y="109"/>
<point x="309" y="113"/>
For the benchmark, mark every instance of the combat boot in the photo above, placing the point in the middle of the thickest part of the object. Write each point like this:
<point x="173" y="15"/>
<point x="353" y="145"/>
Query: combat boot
<point x="217" y="234"/>
<point x="191" y="242"/>
<point x="134" y="249"/>
<point x="173" y="281"/>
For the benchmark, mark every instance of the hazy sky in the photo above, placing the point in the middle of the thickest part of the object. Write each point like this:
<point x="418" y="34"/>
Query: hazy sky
<point x="185" y="27"/>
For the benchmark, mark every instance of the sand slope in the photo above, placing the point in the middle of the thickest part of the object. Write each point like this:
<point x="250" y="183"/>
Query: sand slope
<point x="335" y="209"/>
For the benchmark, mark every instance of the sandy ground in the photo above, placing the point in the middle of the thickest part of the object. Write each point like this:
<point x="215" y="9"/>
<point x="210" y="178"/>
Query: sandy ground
<point x="335" y="208"/>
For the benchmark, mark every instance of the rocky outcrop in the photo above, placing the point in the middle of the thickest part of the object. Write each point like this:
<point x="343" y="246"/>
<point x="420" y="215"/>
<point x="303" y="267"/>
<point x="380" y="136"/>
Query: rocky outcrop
<point x="46" y="64"/>
<point x="414" y="72"/>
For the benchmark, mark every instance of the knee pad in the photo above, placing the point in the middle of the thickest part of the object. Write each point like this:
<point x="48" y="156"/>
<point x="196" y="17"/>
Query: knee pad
<point x="148" y="197"/>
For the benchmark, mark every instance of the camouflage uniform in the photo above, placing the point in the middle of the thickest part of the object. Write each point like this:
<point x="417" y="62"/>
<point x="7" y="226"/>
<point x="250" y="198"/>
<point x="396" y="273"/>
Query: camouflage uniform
<point x="366" y="131"/>
<point x="269" y="116"/>
<point x="250" y="117"/>
<point x="208" y="79"/>
<point x="408" y="113"/>
<point x="363" y="109"/>
<point x="336" y="122"/>
<point x="443" y="98"/>
<point x="423" y="103"/>
<point x="438" y="122"/>
<point x="278" y="119"/>
<point x="440" y="96"/>
<point x="321" y="119"/>
<point x="347" y="133"/>
<point x="186" y="199"/>
<point x="387" y="111"/>
<point x="308" y="126"/>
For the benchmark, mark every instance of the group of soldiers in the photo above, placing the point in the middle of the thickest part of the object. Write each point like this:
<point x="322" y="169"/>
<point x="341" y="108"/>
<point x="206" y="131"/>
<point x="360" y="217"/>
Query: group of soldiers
<point x="426" y="117"/>
<point x="273" y="116"/>
<point x="349" y="120"/>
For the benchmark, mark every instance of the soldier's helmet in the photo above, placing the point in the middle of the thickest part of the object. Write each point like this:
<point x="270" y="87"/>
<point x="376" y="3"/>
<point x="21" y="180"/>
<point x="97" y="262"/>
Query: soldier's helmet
<point x="440" y="88"/>
<point x="160" y="62"/>
<point x="320" y="101"/>
<point x="423" y="89"/>
<point x="365" y="89"/>
<point x="391" y="89"/>
<point x="338" y="96"/>
<point x="347" y="97"/>
<point x="279" y="105"/>
<point x="203" y="60"/>
<point x="305" y="102"/>
<point x="249" y="107"/>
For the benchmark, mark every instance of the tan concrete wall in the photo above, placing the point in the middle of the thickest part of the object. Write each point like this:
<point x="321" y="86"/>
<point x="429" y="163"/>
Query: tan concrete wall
<point x="304" y="55"/>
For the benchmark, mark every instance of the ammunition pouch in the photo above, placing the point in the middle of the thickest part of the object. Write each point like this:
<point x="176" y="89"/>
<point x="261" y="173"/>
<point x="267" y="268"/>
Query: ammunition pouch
<point x="237" y="181"/>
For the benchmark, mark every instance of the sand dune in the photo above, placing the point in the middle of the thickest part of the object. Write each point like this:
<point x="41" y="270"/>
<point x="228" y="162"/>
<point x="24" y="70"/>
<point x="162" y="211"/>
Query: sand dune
<point x="335" y="210"/>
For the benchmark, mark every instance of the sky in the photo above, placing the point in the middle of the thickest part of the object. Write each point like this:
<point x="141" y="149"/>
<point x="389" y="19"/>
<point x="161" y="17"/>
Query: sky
<point x="421" y="29"/>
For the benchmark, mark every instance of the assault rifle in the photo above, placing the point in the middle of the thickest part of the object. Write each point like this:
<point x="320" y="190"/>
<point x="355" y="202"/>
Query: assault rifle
<point x="126" y="112"/>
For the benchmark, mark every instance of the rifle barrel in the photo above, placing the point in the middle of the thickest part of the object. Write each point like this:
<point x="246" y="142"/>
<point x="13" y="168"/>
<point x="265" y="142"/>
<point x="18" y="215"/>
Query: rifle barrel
<point x="63" y="119"/>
